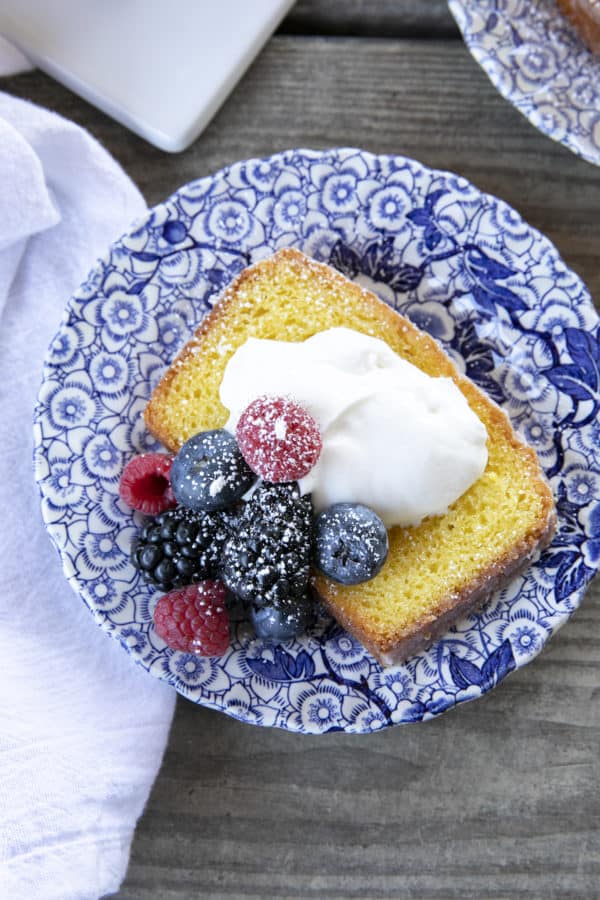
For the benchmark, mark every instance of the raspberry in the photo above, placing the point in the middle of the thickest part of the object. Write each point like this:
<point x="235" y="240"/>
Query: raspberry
<point x="279" y="439"/>
<point x="145" y="483"/>
<point x="194" y="619"/>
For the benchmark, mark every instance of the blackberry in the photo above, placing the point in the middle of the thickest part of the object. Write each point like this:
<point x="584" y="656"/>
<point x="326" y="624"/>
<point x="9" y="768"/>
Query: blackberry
<point x="181" y="547"/>
<point x="267" y="560"/>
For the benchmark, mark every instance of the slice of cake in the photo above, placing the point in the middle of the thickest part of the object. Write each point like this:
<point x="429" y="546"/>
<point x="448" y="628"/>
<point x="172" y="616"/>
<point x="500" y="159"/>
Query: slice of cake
<point x="436" y="571"/>
<point x="585" y="16"/>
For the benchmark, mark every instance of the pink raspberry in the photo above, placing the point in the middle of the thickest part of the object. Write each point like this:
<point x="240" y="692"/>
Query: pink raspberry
<point x="145" y="483"/>
<point x="194" y="619"/>
<point x="279" y="439"/>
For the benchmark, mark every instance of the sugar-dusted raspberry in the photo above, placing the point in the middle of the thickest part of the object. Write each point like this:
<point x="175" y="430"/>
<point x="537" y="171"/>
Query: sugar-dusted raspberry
<point x="279" y="439"/>
<point x="145" y="483"/>
<point x="194" y="619"/>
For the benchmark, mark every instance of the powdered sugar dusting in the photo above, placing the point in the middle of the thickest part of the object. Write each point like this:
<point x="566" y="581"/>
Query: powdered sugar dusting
<point x="217" y="486"/>
<point x="280" y="428"/>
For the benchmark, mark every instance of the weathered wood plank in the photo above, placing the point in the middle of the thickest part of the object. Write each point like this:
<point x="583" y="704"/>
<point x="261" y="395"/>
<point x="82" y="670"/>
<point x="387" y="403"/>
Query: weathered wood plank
<point x="497" y="799"/>
<point x="427" y="100"/>
<point x="384" y="18"/>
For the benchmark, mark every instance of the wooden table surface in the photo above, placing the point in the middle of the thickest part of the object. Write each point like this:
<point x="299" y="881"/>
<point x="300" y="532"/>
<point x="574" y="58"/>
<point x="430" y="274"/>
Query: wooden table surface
<point x="500" y="797"/>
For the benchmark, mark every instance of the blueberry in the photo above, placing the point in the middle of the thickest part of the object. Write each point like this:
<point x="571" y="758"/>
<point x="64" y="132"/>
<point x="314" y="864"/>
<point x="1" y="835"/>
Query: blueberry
<point x="209" y="472"/>
<point x="281" y="623"/>
<point x="350" y="543"/>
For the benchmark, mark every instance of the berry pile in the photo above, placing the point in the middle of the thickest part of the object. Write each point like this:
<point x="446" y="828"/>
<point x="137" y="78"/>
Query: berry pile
<point x="215" y="528"/>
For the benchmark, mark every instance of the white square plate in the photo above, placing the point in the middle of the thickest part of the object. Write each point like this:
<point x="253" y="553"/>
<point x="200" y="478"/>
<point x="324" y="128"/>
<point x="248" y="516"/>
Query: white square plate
<point x="160" y="69"/>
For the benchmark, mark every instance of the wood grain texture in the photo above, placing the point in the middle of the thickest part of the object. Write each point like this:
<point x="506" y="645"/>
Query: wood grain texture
<point x="387" y="18"/>
<point x="427" y="100"/>
<point x="498" y="799"/>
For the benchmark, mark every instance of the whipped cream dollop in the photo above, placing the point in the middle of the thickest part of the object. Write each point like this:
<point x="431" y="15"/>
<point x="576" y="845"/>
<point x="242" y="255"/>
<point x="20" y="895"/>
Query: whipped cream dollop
<point x="404" y="443"/>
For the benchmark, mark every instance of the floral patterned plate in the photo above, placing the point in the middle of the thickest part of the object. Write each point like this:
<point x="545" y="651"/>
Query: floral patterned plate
<point x="535" y="58"/>
<point x="462" y="265"/>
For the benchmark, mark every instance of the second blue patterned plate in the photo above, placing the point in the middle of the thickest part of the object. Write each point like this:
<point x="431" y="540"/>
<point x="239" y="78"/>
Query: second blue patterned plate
<point x="459" y="263"/>
<point x="535" y="58"/>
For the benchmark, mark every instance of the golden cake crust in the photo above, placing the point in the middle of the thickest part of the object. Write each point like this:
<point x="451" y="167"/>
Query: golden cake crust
<point x="585" y="16"/>
<point x="362" y="609"/>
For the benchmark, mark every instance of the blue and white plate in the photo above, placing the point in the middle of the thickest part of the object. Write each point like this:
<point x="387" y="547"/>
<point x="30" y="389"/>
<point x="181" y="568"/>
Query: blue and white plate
<point x="535" y="58"/>
<point x="459" y="263"/>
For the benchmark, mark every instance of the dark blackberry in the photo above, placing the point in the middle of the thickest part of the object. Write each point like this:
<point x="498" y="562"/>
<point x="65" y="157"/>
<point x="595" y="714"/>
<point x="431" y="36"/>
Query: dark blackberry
<point x="181" y="547"/>
<point x="267" y="559"/>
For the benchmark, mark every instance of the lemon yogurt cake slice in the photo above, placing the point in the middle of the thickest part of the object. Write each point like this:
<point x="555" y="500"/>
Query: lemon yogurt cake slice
<point x="440" y="565"/>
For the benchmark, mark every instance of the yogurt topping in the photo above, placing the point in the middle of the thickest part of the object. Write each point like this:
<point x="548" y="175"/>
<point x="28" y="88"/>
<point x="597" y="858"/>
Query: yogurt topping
<point x="404" y="443"/>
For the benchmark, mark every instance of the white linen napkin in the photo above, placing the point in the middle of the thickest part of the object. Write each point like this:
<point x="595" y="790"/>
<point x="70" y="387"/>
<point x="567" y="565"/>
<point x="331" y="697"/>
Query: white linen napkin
<point x="82" y="729"/>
